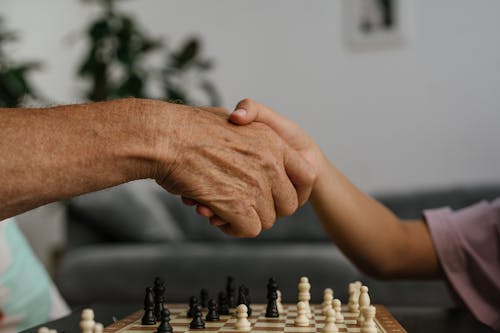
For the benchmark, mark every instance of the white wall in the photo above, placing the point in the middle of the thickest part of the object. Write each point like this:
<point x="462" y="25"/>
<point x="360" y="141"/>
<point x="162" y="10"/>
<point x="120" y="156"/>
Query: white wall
<point x="423" y="115"/>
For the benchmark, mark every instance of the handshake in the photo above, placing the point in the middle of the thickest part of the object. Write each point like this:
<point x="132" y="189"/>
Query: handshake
<point x="242" y="170"/>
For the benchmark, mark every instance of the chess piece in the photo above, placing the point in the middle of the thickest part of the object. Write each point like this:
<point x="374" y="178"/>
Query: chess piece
<point x="212" y="314"/>
<point x="272" y="306"/>
<point x="87" y="323"/>
<point x="193" y="301"/>
<point x="305" y="294"/>
<point x="43" y="330"/>
<point x="327" y="291"/>
<point x="281" y="310"/>
<point x="337" y="306"/>
<point x="197" y="321"/>
<point x="364" y="301"/>
<point x="327" y="302"/>
<point x="330" y="326"/>
<point x="230" y="292"/>
<point x="203" y="297"/>
<point x="159" y="297"/>
<point x="369" y="322"/>
<point x="353" y="304"/>
<point x="301" y="320"/>
<point x="248" y="301"/>
<point x="149" y="317"/>
<point x="223" y="308"/>
<point x="165" y="326"/>
<point x="98" y="328"/>
<point x="242" y="322"/>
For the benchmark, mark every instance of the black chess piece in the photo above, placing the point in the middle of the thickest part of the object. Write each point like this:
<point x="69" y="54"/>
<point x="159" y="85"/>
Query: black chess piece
<point x="212" y="314"/>
<point x="149" y="317"/>
<point x="223" y="308"/>
<point x="165" y="326"/>
<point x="272" y="305"/>
<point x="197" y="321"/>
<point x="193" y="301"/>
<point x="230" y="292"/>
<point x="271" y="285"/>
<point x="241" y="295"/>
<point x="247" y="297"/>
<point x="159" y="292"/>
<point x="203" y="297"/>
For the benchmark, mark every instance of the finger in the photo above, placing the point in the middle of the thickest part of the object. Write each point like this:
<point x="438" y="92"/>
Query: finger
<point x="248" y="110"/>
<point x="242" y="220"/>
<point x="187" y="201"/>
<point x="204" y="211"/>
<point x="301" y="174"/>
<point x="217" y="221"/>
<point x="284" y="195"/>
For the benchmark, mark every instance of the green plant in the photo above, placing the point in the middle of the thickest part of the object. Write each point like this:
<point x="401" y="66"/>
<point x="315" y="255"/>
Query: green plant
<point x="116" y="63"/>
<point x="15" y="85"/>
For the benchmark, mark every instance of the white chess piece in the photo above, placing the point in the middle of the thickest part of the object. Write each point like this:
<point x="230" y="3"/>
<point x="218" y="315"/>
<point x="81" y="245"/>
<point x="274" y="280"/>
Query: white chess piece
<point x="337" y="306"/>
<point x="43" y="330"/>
<point x="281" y="310"/>
<point x="353" y="304"/>
<point x="305" y="294"/>
<point x="327" y="303"/>
<point x="242" y="322"/>
<point x="364" y="301"/>
<point x="369" y="323"/>
<point x="98" y="328"/>
<point x="87" y="323"/>
<point x="327" y="291"/>
<point x="330" y="326"/>
<point x="302" y="320"/>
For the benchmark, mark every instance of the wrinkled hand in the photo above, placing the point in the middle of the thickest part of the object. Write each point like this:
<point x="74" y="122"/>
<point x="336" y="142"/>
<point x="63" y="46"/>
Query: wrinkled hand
<point x="246" y="176"/>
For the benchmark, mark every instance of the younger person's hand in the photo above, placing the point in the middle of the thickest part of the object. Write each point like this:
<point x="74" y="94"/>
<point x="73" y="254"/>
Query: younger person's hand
<point x="248" y="111"/>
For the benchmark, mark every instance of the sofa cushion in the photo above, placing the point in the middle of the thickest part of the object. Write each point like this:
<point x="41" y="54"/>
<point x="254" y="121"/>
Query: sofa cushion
<point x="132" y="212"/>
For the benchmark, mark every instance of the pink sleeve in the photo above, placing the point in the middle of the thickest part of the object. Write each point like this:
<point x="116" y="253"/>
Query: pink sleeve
<point x="467" y="242"/>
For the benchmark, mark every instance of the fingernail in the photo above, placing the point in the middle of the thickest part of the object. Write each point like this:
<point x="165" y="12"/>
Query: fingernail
<point x="240" y="112"/>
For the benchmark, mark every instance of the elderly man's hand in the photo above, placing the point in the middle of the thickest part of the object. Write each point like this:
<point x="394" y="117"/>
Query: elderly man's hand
<point x="247" y="175"/>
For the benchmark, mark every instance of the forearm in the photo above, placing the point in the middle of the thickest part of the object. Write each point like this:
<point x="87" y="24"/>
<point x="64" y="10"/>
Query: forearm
<point x="370" y="234"/>
<point x="56" y="153"/>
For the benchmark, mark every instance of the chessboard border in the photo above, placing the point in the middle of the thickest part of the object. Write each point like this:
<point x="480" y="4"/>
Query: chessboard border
<point x="383" y="316"/>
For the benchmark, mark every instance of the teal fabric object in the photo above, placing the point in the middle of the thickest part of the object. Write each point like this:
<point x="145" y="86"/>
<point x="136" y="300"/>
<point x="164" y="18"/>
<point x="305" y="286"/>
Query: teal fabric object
<point x="25" y="285"/>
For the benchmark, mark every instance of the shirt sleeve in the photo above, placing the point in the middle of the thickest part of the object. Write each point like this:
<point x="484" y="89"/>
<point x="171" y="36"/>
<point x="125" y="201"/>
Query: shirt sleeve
<point x="467" y="242"/>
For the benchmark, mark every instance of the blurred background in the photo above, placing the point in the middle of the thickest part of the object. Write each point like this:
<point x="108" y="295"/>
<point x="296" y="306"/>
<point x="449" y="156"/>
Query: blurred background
<point x="403" y="96"/>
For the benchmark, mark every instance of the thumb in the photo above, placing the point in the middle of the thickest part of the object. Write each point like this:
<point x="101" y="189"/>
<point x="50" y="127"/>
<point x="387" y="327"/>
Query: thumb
<point x="248" y="111"/>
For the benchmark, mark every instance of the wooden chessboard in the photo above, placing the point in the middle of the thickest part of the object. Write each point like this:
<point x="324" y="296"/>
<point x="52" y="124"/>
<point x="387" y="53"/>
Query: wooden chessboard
<point x="384" y="321"/>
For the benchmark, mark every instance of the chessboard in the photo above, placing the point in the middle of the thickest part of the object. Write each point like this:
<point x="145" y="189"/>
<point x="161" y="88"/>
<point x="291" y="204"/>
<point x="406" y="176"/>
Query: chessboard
<point x="384" y="322"/>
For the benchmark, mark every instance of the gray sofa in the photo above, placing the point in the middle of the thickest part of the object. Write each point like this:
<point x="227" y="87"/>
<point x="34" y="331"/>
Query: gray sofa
<point x="121" y="238"/>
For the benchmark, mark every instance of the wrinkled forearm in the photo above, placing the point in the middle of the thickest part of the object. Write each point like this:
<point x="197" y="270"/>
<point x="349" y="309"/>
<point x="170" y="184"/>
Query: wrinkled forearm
<point x="56" y="153"/>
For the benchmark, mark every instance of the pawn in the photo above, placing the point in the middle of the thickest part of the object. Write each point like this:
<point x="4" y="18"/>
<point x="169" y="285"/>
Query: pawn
<point x="369" y="323"/>
<point x="197" y="321"/>
<point x="302" y="319"/>
<point x="212" y="314"/>
<point x="337" y="306"/>
<point x="364" y="301"/>
<point x="98" y="328"/>
<point x="327" y="291"/>
<point x="242" y="322"/>
<point x="193" y="301"/>
<point x="330" y="326"/>
<point x="87" y="323"/>
<point x="223" y="307"/>
<point x="327" y="303"/>
<point x="279" y="302"/>
<point x="165" y="322"/>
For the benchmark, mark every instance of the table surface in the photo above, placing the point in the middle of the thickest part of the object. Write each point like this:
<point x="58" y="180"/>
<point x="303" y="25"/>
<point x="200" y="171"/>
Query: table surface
<point x="413" y="319"/>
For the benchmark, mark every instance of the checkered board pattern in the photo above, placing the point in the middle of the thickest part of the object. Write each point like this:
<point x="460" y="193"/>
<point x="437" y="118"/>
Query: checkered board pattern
<point x="384" y="321"/>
